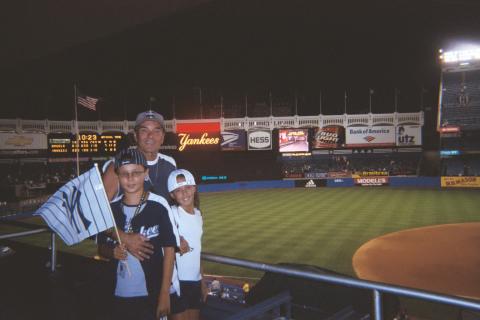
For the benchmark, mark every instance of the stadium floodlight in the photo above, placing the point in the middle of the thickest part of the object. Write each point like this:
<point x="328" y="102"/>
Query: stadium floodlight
<point x="462" y="56"/>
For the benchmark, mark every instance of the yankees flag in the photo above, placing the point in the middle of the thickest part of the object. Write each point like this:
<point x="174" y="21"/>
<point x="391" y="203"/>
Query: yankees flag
<point x="79" y="209"/>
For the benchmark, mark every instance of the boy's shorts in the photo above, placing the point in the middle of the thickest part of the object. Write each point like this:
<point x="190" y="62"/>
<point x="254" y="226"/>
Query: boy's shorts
<point x="134" y="308"/>
<point x="190" y="298"/>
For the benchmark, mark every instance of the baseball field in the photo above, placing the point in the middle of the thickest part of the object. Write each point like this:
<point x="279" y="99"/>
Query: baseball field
<point x="318" y="226"/>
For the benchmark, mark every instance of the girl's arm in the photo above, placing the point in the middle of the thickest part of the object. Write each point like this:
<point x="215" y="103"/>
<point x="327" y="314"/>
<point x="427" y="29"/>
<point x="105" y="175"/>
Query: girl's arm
<point x="203" y="284"/>
<point x="163" y="306"/>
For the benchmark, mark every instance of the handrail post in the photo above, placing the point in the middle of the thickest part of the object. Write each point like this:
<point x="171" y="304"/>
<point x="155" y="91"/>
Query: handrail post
<point x="377" y="304"/>
<point x="53" y="256"/>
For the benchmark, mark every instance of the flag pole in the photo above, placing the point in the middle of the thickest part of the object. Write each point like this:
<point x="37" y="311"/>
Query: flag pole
<point x="77" y="133"/>
<point x="104" y="193"/>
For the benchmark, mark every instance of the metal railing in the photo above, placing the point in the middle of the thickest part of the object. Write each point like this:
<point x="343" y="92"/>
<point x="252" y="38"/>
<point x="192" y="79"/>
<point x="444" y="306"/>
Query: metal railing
<point x="377" y="288"/>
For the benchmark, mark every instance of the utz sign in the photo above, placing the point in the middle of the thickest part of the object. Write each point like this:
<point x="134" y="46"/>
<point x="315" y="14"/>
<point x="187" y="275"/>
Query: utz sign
<point x="260" y="140"/>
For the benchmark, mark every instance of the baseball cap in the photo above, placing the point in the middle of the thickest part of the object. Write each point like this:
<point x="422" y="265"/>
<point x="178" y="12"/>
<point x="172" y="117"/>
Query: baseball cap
<point x="172" y="179"/>
<point x="148" y="115"/>
<point x="129" y="156"/>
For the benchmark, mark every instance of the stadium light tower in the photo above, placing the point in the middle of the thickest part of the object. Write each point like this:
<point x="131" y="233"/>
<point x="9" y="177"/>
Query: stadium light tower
<point x="461" y="57"/>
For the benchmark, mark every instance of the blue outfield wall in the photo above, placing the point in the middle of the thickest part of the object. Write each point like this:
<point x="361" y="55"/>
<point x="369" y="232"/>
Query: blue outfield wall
<point x="422" y="182"/>
<point x="265" y="184"/>
<point x="340" y="182"/>
<point x="426" y="182"/>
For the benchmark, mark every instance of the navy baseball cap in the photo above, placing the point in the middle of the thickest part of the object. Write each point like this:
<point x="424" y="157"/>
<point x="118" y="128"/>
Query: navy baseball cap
<point x="129" y="156"/>
<point x="149" y="115"/>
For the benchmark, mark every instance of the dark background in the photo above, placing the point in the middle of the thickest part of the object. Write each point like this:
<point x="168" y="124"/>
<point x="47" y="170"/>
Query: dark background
<point x="142" y="55"/>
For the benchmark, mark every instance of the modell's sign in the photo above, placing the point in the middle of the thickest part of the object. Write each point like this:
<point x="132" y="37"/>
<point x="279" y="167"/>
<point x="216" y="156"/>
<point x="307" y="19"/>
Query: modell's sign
<point x="373" y="181"/>
<point x="260" y="140"/>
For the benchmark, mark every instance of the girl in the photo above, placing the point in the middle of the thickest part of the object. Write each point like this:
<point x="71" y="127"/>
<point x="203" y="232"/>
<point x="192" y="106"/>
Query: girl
<point x="189" y="222"/>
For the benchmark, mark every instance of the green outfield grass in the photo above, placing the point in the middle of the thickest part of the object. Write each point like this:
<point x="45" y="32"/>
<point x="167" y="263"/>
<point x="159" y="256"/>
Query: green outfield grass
<point x="319" y="226"/>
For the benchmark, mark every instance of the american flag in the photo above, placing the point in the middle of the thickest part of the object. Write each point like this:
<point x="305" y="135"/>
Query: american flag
<point x="88" y="102"/>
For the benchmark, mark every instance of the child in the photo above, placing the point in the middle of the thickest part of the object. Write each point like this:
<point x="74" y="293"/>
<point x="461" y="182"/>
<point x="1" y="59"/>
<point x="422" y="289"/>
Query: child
<point x="189" y="222"/>
<point x="142" y="287"/>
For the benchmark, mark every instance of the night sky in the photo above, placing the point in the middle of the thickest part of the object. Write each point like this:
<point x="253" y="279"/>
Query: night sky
<point x="235" y="47"/>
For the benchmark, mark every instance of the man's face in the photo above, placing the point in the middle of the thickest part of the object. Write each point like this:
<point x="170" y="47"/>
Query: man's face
<point x="131" y="177"/>
<point x="149" y="136"/>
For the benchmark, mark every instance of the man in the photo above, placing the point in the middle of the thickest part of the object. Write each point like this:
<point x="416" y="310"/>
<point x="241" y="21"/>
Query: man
<point x="149" y="134"/>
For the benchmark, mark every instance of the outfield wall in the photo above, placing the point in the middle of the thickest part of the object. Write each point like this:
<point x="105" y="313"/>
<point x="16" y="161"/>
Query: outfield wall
<point x="418" y="182"/>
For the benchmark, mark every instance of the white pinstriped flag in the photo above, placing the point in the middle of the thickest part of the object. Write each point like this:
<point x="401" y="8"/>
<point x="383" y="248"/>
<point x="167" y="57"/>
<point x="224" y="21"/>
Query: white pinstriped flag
<point x="79" y="209"/>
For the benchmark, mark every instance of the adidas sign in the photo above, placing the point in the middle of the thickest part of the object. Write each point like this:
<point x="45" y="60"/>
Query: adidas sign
<point x="310" y="184"/>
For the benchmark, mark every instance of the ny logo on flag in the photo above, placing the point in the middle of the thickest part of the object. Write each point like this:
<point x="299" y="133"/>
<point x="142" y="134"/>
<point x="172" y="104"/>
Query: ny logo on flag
<point x="78" y="210"/>
<point x="71" y="204"/>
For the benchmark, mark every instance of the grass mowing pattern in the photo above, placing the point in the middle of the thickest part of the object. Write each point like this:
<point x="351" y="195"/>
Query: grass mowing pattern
<point x="321" y="226"/>
<point x="318" y="226"/>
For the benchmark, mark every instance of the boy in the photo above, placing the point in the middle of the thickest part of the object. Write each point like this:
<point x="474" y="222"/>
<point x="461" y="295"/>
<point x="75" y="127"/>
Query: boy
<point x="142" y="287"/>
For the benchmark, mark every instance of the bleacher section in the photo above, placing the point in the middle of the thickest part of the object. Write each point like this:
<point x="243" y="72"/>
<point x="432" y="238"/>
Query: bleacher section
<point x="326" y="165"/>
<point x="460" y="99"/>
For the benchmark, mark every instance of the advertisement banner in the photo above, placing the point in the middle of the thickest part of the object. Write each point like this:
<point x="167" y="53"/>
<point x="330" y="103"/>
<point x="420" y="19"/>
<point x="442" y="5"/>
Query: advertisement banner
<point x="372" y="181"/>
<point x="460" y="182"/>
<point x="316" y="175"/>
<point x="328" y="137"/>
<point x="198" y="141"/>
<point x="409" y="136"/>
<point x="381" y="136"/>
<point x="260" y="139"/>
<point x="312" y="183"/>
<point x="293" y="140"/>
<point x="25" y="141"/>
<point x="233" y="140"/>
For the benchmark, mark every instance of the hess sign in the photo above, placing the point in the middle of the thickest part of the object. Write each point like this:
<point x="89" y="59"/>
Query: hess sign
<point x="260" y="140"/>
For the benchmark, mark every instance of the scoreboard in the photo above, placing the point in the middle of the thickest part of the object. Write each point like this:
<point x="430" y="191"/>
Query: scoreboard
<point x="94" y="144"/>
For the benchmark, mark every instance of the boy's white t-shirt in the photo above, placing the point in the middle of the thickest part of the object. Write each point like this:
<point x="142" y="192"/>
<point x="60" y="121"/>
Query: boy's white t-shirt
<point x="190" y="227"/>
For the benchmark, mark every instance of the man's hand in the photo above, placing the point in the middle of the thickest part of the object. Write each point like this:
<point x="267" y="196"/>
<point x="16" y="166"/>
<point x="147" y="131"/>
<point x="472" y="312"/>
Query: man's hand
<point x="184" y="246"/>
<point x="163" y="306"/>
<point x="138" y="245"/>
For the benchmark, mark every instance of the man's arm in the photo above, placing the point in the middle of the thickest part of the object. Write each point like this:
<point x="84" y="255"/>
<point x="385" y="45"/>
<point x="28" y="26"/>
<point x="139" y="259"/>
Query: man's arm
<point x="163" y="306"/>
<point x="110" y="181"/>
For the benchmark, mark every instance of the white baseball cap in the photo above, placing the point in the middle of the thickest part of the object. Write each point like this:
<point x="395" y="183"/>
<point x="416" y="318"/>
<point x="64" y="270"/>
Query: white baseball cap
<point x="174" y="184"/>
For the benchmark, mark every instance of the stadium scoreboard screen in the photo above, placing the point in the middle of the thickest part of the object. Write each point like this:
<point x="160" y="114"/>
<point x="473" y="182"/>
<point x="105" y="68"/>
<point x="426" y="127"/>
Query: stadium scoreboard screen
<point x="94" y="144"/>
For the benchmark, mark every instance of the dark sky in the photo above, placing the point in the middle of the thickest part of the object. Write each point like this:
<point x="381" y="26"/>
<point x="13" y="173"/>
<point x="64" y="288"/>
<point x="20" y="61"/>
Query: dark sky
<point x="233" y="48"/>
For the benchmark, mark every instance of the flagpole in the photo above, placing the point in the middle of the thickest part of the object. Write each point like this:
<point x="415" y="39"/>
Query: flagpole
<point x="320" y="101"/>
<point x="113" y="218"/>
<point x="296" y="103"/>
<point x="221" y="106"/>
<point x="370" y="101"/>
<point x="246" y="105"/>
<point x="77" y="133"/>
<point x="345" y="104"/>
